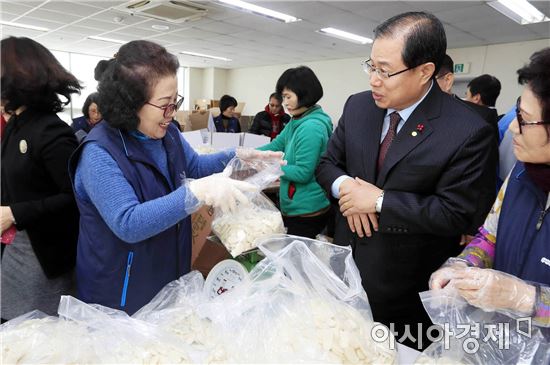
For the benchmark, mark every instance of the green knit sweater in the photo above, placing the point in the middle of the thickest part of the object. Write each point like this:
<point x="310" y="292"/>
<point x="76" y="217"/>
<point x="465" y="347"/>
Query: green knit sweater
<point x="303" y="141"/>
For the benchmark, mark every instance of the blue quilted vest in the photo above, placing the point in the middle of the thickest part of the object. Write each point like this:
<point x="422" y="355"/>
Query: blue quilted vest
<point x="522" y="249"/>
<point x="124" y="275"/>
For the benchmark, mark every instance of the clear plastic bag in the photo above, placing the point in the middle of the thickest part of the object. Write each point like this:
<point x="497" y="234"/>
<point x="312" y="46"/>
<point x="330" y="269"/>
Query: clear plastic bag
<point x="123" y="339"/>
<point x="174" y="310"/>
<point x="38" y="338"/>
<point x="239" y="231"/>
<point x="255" y="170"/>
<point x="473" y="336"/>
<point x="242" y="228"/>
<point x="303" y="303"/>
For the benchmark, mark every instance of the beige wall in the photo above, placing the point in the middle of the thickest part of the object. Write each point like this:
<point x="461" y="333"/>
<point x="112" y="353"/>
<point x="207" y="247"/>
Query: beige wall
<point x="343" y="77"/>
<point x="195" y="84"/>
<point x="501" y="61"/>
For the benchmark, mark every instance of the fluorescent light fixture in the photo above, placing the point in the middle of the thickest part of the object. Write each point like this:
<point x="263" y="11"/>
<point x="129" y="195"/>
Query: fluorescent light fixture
<point x="333" y="32"/>
<point x="112" y="40"/>
<point x="205" y="56"/>
<point x="261" y="10"/>
<point x="520" y="11"/>
<point x="25" y="26"/>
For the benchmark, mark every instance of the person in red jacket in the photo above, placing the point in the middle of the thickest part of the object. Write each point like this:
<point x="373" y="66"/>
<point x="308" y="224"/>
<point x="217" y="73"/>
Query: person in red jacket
<point x="272" y="120"/>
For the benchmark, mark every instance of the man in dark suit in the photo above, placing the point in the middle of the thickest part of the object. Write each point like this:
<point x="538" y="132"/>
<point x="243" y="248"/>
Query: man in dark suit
<point x="406" y="170"/>
<point x="445" y="80"/>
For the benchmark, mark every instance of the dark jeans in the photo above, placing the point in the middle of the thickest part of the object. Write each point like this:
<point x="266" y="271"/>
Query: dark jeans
<point x="306" y="226"/>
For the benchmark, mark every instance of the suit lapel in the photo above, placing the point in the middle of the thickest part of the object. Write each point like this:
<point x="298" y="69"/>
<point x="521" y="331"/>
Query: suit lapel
<point x="371" y="129"/>
<point x="405" y="141"/>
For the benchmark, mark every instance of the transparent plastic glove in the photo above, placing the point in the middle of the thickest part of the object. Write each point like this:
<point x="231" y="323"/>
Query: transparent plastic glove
<point x="252" y="154"/>
<point x="493" y="290"/>
<point x="220" y="191"/>
<point x="447" y="272"/>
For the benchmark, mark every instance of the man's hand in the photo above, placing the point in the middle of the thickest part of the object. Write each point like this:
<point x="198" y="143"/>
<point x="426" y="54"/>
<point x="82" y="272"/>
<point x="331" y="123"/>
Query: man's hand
<point x="358" y="198"/>
<point x="6" y="218"/>
<point x="361" y="224"/>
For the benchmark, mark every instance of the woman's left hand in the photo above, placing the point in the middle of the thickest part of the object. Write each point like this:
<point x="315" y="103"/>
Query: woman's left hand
<point x="494" y="290"/>
<point x="6" y="218"/>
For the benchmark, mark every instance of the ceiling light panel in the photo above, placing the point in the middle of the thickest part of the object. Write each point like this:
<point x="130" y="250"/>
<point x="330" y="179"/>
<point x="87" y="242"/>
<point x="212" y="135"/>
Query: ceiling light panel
<point x="347" y="36"/>
<point x="520" y="11"/>
<point x="259" y="10"/>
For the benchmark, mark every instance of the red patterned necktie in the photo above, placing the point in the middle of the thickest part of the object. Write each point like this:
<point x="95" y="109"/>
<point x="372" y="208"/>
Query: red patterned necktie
<point x="388" y="139"/>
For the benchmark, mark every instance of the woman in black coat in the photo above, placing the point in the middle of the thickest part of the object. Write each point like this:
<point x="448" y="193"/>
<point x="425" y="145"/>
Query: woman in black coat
<point x="37" y="199"/>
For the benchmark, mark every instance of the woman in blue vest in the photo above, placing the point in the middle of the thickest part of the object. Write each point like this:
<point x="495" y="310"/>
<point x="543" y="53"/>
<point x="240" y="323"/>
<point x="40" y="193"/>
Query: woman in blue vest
<point x="226" y="121"/>
<point x="130" y="181"/>
<point x="510" y="271"/>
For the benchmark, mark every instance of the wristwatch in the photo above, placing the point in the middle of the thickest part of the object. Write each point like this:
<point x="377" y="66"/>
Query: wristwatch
<point x="379" y="200"/>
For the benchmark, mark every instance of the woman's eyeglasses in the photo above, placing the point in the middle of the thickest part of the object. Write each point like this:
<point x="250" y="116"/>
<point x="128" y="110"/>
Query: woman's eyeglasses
<point x="522" y="122"/>
<point x="170" y="108"/>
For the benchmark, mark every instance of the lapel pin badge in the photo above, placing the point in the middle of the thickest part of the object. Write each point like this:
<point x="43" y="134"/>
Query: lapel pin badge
<point x="419" y="129"/>
<point x="23" y="146"/>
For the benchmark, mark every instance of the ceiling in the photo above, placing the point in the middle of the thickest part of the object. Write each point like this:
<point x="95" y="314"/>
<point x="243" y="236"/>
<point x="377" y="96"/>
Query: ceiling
<point x="252" y="40"/>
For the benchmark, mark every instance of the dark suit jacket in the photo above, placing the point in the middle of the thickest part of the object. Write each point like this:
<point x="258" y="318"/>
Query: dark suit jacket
<point x="490" y="115"/>
<point x="35" y="183"/>
<point x="434" y="183"/>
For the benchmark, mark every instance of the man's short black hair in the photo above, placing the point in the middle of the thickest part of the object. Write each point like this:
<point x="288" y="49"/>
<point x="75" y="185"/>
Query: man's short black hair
<point x="227" y="101"/>
<point x="446" y="66"/>
<point x="302" y="82"/>
<point x="424" y="35"/>
<point x="488" y="88"/>
<point x="277" y="97"/>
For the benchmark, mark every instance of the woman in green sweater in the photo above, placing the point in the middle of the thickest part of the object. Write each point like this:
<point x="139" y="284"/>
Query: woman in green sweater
<point x="303" y="202"/>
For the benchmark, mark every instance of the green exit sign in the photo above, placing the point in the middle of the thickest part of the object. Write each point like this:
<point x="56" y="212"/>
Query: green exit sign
<point x="462" y="68"/>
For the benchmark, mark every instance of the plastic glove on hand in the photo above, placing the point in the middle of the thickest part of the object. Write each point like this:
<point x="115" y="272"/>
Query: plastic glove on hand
<point x="221" y="192"/>
<point x="448" y="271"/>
<point x="252" y="154"/>
<point x="493" y="290"/>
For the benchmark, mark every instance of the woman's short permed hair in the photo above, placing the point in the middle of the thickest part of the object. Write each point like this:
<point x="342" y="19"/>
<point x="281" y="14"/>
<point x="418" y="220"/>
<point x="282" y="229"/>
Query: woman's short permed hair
<point x="302" y="82"/>
<point x="32" y="77"/>
<point x="536" y="75"/>
<point x="128" y="81"/>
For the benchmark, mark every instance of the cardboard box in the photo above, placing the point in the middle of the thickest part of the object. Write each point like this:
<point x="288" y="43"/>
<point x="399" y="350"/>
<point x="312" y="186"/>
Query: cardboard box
<point x="182" y="116"/>
<point x="205" y="253"/>
<point x="199" y="119"/>
<point x="212" y="252"/>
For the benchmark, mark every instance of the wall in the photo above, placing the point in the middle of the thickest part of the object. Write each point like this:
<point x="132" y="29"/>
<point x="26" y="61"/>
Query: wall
<point x="194" y="85"/>
<point x="343" y="77"/>
<point x="501" y="61"/>
<point x="340" y="78"/>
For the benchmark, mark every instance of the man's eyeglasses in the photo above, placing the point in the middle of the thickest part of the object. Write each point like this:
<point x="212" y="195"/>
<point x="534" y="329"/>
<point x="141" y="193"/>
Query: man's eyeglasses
<point x="522" y="122"/>
<point x="382" y="75"/>
<point x="170" y="108"/>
